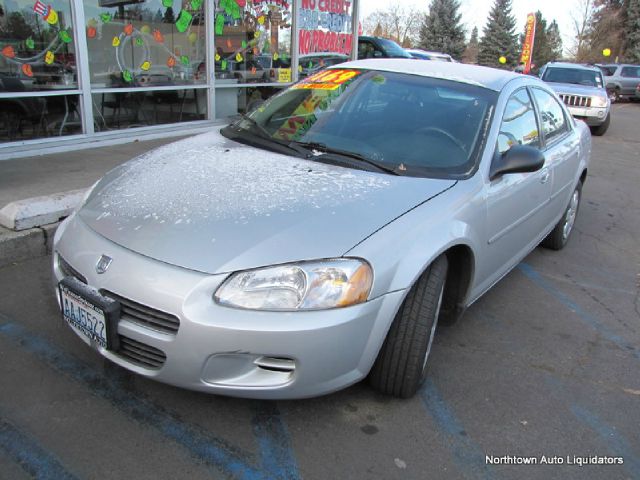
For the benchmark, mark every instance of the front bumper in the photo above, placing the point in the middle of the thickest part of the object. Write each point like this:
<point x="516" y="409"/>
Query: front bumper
<point x="593" y="116"/>
<point x="223" y="350"/>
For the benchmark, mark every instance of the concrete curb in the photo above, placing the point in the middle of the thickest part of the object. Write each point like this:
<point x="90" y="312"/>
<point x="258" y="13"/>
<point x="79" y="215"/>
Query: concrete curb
<point x="37" y="211"/>
<point x="26" y="244"/>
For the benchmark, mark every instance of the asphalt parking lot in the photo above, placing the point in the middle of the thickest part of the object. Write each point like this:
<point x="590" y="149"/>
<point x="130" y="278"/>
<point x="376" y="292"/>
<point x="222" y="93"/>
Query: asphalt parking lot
<point x="545" y="364"/>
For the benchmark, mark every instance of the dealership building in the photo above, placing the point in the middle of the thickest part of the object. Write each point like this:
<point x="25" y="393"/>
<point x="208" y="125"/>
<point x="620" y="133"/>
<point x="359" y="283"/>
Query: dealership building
<point x="75" y="73"/>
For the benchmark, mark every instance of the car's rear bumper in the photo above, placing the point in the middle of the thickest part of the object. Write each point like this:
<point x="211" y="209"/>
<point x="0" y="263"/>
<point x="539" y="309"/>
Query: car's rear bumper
<point x="225" y="350"/>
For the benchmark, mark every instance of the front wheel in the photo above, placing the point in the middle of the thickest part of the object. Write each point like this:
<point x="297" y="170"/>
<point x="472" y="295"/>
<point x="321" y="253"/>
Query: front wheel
<point x="602" y="128"/>
<point x="401" y="365"/>
<point x="559" y="236"/>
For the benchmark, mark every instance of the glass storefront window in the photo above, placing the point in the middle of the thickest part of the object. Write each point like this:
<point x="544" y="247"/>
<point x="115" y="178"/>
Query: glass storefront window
<point x="234" y="101"/>
<point x="27" y="118"/>
<point x="145" y="43"/>
<point x="37" y="51"/>
<point x="253" y="41"/>
<point x="324" y="27"/>
<point x="141" y="109"/>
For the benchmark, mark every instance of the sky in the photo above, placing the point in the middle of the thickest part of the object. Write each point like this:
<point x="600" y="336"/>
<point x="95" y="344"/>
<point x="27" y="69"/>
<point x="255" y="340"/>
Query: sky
<point x="475" y="12"/>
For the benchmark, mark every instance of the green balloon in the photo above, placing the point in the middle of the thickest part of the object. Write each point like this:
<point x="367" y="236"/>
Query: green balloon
<point x="30" y="43"/>
<point x="126" y="76"/>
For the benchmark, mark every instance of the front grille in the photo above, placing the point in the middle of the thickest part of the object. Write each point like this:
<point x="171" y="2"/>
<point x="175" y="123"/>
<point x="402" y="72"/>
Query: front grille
<point x="145" y="316"/>
<point x="576" y="100"/>
<point x="68" y="271"/>
<point x="140" y="353"/>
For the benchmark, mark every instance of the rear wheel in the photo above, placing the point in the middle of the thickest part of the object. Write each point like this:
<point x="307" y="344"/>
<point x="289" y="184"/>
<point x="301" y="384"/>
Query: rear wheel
<point x="614" y="95"/>
<point x="401" y="365"/>
<point x="559" y="236"/>
<point x="602" y="129"/>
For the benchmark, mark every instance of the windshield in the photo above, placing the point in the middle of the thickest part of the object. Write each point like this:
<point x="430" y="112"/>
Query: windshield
<point x="588" y="78"/>
<point x="409" y="124"/>
<point x="392" y="49"/>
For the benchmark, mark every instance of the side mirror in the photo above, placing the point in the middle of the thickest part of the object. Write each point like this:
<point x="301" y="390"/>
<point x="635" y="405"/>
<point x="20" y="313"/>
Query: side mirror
<point x="518" y="159"/>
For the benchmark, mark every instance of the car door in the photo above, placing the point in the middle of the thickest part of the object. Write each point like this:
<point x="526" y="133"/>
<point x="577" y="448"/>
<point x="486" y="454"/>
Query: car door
<point x="517" y="203"/>
<point x="561" y="149"/>
<point x="629" y="79"/>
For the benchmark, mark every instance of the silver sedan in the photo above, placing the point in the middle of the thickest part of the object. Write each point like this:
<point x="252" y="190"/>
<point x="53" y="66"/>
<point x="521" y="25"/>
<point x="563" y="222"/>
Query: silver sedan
<point x="321" y="238"/>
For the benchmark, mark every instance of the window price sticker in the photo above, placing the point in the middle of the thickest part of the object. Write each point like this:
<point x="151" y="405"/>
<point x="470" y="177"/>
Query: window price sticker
<point x="327" y="80"/>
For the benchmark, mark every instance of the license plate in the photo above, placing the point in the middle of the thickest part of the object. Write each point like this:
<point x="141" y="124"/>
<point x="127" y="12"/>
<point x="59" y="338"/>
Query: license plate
<point x="92" y="315"/>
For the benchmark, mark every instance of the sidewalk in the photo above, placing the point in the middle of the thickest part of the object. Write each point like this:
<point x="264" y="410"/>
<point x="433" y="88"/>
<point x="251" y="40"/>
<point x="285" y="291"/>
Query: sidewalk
<point x="49" y="174"/>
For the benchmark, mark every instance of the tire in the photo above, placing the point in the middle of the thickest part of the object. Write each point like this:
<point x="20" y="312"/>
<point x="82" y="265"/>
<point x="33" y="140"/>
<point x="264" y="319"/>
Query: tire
<point x="602" y="129"/>
<point x="614" y="95"/>
<point x="401" y="365"/>
<point x="561" y="233"/>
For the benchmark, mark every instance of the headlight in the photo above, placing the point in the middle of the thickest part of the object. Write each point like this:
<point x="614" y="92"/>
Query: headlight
<point x="299" y="286"/>
<point x="598" y="101"/>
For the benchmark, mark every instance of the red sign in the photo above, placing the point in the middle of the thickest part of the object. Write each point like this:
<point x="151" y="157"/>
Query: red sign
<point x="527" y="45"/>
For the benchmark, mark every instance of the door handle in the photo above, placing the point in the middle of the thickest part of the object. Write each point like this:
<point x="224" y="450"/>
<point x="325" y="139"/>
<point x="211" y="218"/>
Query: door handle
<point x="544" y="175"/>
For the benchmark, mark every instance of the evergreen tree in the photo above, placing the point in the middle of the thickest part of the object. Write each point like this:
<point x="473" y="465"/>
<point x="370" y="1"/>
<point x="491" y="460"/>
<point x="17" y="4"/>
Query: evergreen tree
<point x="555" y="41"/>
<point x="442" y="30"/>
<point x="471" y="52"/>
<point x="499" y="37"/>
<point x="632" y="31"/>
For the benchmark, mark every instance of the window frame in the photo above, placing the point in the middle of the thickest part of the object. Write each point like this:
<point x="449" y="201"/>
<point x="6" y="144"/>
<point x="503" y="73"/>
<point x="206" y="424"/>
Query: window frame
<point x="545" y="143"/>
<point x="535" y="115"/>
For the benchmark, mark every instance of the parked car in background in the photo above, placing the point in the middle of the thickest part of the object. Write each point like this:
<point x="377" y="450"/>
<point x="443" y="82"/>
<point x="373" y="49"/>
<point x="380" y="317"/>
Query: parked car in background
<point x="637" y="94"/>
<point x="424" y="55"/>
<point x="581" y="88"/>
<point x="314" y="62"/>
<point x="621" y="80"/>
<point x="320" y="239"/>
<point x="378" y="47"/>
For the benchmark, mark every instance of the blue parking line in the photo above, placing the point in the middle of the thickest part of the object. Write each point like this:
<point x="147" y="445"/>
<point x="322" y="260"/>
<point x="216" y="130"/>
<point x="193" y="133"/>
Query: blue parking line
<point x="467" y="454"/>
<point x="274" y="442"/>
<point x="618" y="445"/>
<point x="212" y="450"/>
<point x="589" y="319"/>
<point x="28" y="453"/>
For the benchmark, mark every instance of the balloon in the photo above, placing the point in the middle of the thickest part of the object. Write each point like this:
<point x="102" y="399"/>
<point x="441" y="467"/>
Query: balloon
<point x="606" y="52"/>
<point x="502" y="60"/>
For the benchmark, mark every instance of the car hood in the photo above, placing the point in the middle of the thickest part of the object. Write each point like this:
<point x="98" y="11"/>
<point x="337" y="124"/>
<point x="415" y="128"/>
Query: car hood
<point x="210" y="204"/>
<point x="573" y="89"/>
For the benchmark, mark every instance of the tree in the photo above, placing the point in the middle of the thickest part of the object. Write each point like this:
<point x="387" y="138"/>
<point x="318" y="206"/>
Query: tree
<point x="607" y="29"/>
<point x="471" y="52"/>
<point x="499" y="38"/>
<point x="632" y="31"/>
<point x="442" y="30"/>
<point x="395" y="23"/>
<point x="555" y="41"/>
<point x="582" y="19"/>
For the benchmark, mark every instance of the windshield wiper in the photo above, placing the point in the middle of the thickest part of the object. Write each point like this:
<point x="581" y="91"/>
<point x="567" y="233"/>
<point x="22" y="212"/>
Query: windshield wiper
<point x="256" y="126"/>
<point x="326" y="150"/>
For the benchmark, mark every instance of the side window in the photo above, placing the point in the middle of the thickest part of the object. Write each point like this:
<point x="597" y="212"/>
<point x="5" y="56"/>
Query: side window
<point x="519" y="125"/>
<point x="365" y="50"/>
<point x="554" y="123"/>
<point x="630" y="72"/>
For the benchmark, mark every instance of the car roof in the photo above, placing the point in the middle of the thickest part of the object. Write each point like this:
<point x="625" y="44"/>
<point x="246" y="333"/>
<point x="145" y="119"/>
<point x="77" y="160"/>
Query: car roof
<point x="491" y="78"/>
<point x="576" y="66"/>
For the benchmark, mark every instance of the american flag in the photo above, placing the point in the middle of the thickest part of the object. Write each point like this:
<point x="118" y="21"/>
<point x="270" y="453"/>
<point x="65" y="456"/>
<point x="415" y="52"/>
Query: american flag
<point x="40" y="8"/>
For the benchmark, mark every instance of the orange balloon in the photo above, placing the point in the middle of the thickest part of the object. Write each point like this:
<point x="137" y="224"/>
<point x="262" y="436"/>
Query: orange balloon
<point x="128" y="29"/>
<point x="8" y="51"/>
<point x="26" y="69"/>
<point x="171" y="62"/>
<point x="91" y="32"/>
